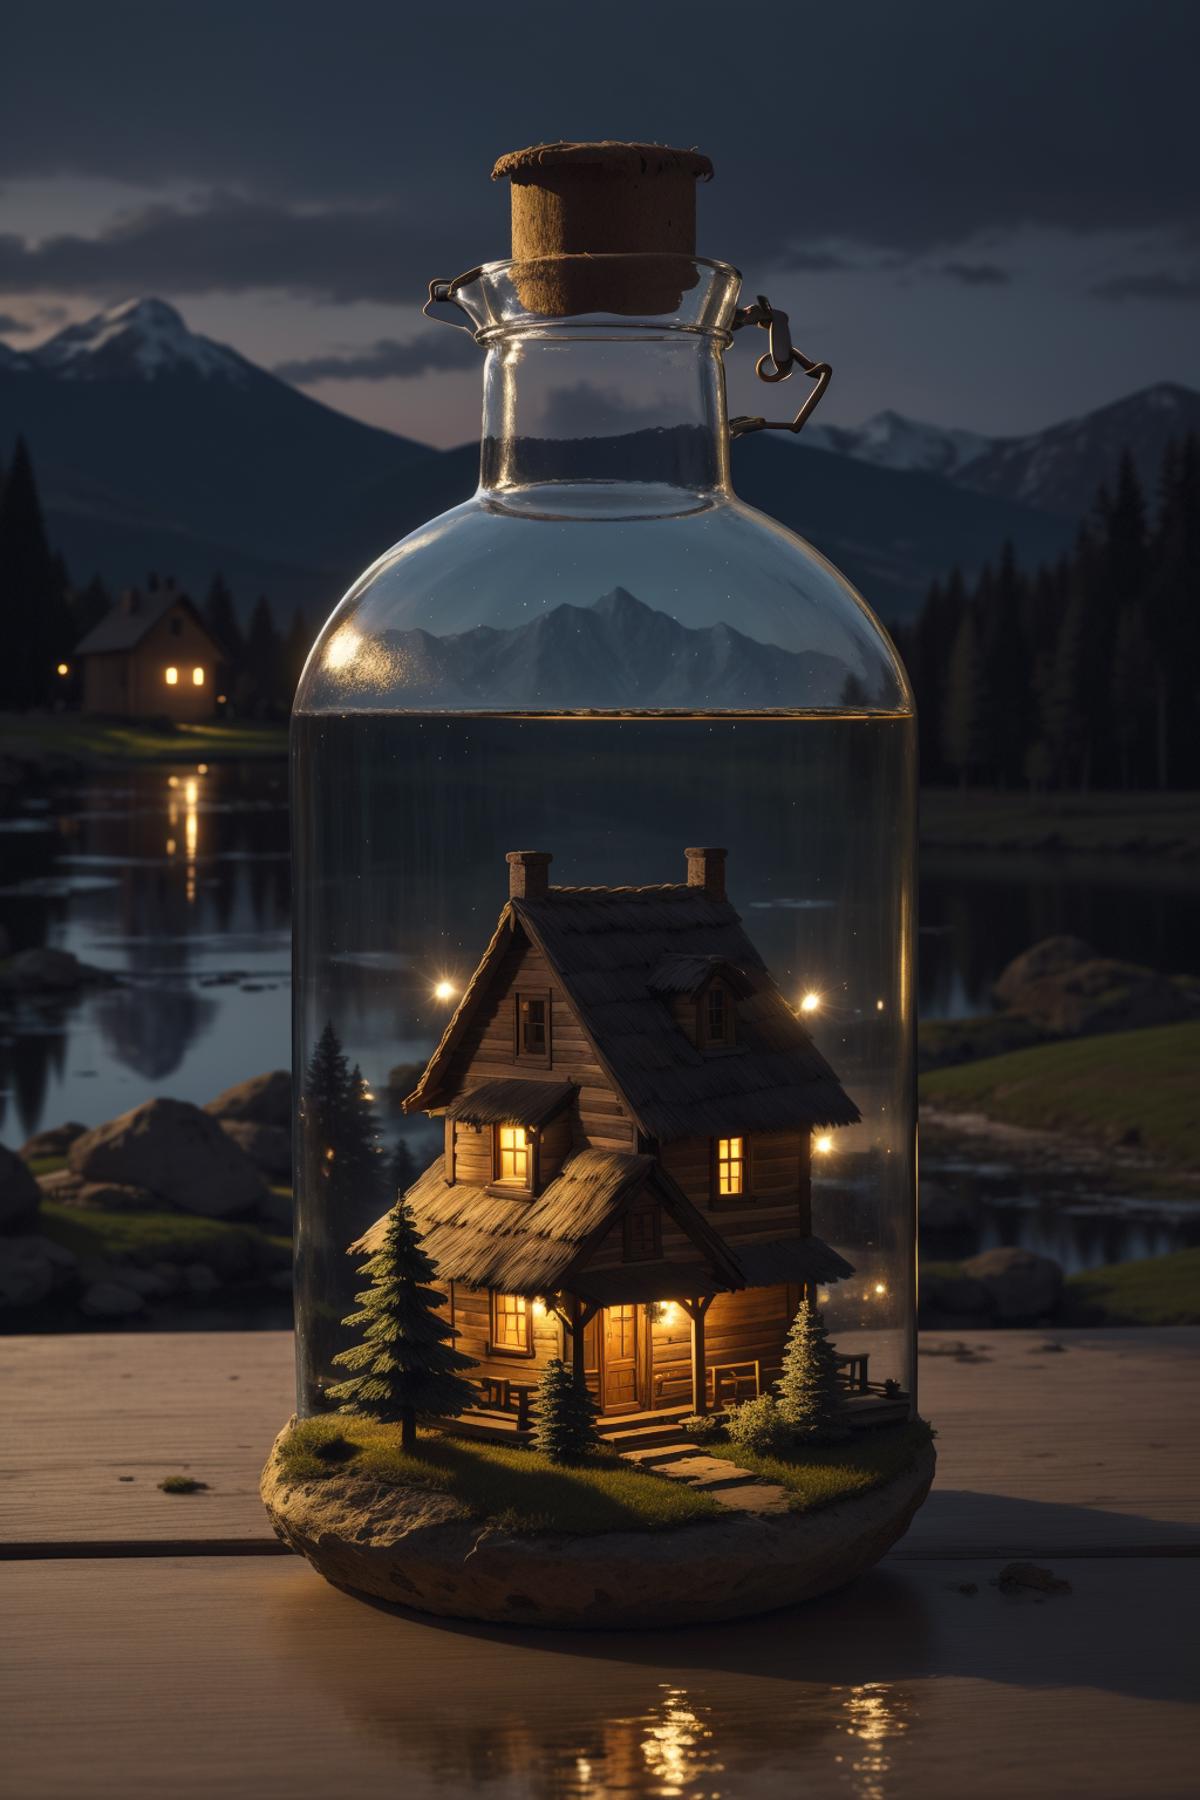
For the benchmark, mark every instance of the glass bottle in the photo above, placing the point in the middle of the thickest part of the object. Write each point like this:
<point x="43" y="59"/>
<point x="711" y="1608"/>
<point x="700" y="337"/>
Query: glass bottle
<point x="605" y="658"/>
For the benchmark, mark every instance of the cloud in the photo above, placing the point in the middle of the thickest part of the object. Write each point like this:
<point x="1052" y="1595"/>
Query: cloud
<point x="977" y="274"/>
<point x="11" y="326"/>
<point x="386" y="359"/>
<point x="227" y="242"/>
<point x="813" y="262"/>
<point x="1156" y="284"/>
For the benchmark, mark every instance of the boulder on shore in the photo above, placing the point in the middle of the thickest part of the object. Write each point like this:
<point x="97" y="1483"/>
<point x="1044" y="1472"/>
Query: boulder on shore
<point x="269" y="1147"/>
<point x="1063" y="988"/>
<point x="177" y="1151"/>
<point x="55" y="1141"/>
<point x="262" y="1100"/>
<point x="1021" y="1286"/>
<point x="50" y="972"/>
<point x="31" y="1268"/>
<point x="20" y="1195"/>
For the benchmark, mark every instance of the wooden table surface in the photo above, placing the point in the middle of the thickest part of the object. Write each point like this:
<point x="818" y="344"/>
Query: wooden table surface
<point x="160" y="1645"/>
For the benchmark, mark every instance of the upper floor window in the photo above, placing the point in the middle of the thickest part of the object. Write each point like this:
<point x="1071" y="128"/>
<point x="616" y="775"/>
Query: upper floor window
<point x="172" y="676"/>
<point x="731" y="1167"/>
<point x="716" y="1015"/>
<point x="198" y="677"/>
<point x="533" y="1025"/>
<point x="514" y="1155"/>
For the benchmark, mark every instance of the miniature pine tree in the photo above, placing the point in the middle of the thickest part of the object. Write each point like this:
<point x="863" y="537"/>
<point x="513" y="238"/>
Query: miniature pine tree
<point x="810" y="1398"/>
<point x="405" y="1368"/>
<point x="566" y="1416"/>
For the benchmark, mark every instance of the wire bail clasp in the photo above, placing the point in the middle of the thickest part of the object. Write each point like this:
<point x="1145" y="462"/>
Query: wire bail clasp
<point x="775" y="364"/>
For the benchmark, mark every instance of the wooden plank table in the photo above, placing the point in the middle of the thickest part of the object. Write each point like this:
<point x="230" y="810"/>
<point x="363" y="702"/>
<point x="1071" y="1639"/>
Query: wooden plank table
<point x="163" y="1645"/>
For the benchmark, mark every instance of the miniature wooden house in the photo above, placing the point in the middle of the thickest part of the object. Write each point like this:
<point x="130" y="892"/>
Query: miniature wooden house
<point x="629" y="1103"/>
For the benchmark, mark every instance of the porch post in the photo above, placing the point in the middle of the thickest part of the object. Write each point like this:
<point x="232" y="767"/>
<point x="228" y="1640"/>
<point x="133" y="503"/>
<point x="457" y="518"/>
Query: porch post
<point x="696" y="1310"/>
<point x="577" y="1344"/>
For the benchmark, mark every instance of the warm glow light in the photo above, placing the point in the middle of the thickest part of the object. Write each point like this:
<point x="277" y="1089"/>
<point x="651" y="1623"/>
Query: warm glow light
<point x="172" y="676"/>
<point x="342" y="648"/>
<point x="823" y="1144"/>
<point x="879" y="1288"/>
<point x="539" y="1309"/>
<point x="198" y="677"/>
<point x="879" y="1006"/>
<point x="668" y="1313"/>
<point x="191" y="792"/>
<point x="731" y="1165"/>
<point x="220" y="699"/>
<point x="367" y="1094"/>
<point x="445" y="990"/>
<point x="810" y="1002"/>
<point x="172" y="781"/>
<point x="63" y="669"/>
<point x="170" y="846"/>
<point x="202" y="768"/>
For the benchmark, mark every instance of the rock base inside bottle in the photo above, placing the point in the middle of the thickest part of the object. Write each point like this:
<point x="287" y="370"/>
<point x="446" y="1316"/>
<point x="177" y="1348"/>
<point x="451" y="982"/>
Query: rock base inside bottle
<point x="416" y="1549"/>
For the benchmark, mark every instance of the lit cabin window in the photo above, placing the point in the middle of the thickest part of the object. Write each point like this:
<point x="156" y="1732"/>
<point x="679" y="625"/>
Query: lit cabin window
<point x="198" y="677"/>
<point x="533" y="1025"/>
<point x="512" y="1155"/>
<point x="172" y="676"/>
<point x="511" y="1324"/>
<point x="731" y="1165"/>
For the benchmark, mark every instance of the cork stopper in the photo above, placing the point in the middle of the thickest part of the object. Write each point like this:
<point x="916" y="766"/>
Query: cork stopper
<point x="603" y="199"/>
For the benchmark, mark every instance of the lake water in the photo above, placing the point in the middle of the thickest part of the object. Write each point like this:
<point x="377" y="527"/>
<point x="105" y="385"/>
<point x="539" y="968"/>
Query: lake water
<point x="176" y="878"/>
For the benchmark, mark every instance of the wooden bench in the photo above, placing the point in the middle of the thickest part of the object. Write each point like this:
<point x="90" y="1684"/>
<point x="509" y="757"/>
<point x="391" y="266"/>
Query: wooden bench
<point x="737" y="1375"/>
<point x="679" y="1378"/>
<point x="853" y="1369"/>
<point x="506" y="1395"/>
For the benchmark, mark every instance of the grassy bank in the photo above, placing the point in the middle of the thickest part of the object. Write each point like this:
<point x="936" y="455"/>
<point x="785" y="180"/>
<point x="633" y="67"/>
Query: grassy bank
<point x="1155" y="824"/>
<point x="1159" y="1290"/>
<point x="134" y="740"/>
<point x="234" y="1252"/>
<point x="1133" y="1087"/>
<point x="821" y="1477"/>
<point x="518" y="1488"/>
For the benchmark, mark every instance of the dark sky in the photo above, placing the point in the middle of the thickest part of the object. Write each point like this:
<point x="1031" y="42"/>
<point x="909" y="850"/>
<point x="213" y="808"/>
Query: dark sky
<point x="982" y="214"/>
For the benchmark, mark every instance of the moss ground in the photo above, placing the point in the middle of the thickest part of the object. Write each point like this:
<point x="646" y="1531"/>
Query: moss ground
<point x="519" y="1488"/>
<point x="1109" y="1088"/>
<point x="820" y="1477"/>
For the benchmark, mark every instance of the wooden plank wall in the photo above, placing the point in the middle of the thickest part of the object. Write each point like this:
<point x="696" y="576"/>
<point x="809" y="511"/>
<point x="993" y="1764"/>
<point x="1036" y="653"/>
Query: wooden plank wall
<point x="778" y="1178"/>
<point x="488" y="1050"/>
<point x="472" y="1320"/>
<point x="750" y="1325"/>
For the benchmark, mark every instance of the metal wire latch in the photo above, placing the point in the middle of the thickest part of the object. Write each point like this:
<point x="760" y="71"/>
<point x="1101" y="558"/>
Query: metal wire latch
<point x="776" y="364"/>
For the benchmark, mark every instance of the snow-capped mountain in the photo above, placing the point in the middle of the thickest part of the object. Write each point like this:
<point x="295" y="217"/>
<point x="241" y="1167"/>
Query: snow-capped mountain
<point x="139" y="340"/>
<point x="617" y="652"/>
<point x="894" y="442"/>
<point x="1060" y="469"/>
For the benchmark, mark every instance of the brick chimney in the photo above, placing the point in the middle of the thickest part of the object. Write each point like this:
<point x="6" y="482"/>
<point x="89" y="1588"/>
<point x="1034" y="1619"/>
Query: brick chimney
<point x="528" y="874"/>
<point x="706" y="869"/>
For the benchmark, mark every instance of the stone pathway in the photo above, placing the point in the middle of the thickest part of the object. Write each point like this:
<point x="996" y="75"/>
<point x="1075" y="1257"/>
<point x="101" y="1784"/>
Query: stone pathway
<point x="735" y="1488"/>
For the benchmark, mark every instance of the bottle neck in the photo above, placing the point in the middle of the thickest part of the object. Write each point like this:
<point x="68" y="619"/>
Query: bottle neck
<point x="623" y="424"/>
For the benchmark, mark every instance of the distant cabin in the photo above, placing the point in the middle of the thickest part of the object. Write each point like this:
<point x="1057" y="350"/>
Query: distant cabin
<point x="151" y="657"/>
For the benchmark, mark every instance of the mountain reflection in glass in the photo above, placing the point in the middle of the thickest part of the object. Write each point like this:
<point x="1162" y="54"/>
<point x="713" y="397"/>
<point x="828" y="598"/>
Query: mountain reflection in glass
<point x="605" y="656"/>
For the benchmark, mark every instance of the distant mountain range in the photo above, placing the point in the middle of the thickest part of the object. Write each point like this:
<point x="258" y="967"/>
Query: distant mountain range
<point x="158" y="448"/>
<point x="617" y="653"/>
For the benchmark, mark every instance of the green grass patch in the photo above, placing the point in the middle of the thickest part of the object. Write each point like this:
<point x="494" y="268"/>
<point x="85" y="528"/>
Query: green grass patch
<point x="823" y="1476"/>
<point x="1129" y="1082"/>
<point x="45" y="1165"/>
<point x="1157" y="1290"/>
<point x="132" y="740"/>
<point x="236" y="1252"/>
<point x="521" y="1489"/>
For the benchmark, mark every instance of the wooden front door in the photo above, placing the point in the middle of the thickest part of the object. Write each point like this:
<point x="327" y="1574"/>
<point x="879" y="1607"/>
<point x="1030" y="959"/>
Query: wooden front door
<point x="620" y="1366"/>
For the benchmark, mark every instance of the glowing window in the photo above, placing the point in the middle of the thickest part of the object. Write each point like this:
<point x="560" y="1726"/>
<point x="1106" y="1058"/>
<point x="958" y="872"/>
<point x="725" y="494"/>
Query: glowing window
<point x="510" y="1323"/>
<point x="512" y="1154"/>
<point x="198" y="677"/>
<point x="172" y="676"/>
<point x="731" y="1165"/>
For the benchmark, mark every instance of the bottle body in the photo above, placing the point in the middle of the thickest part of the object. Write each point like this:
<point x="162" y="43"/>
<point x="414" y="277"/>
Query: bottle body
<point x="605" y="657"/>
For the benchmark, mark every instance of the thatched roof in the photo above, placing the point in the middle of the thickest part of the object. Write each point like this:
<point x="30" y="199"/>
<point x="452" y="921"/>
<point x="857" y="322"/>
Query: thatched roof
<point x="522" y="1246"/>
<point x="683" y="974"/>
<point x="512" y="1102"/>
<point x="612" y="950"/>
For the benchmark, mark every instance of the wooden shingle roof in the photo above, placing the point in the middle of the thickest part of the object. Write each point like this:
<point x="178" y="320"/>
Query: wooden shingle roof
<point x="606" y="945"/>
<point x="512" y="1102"/>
